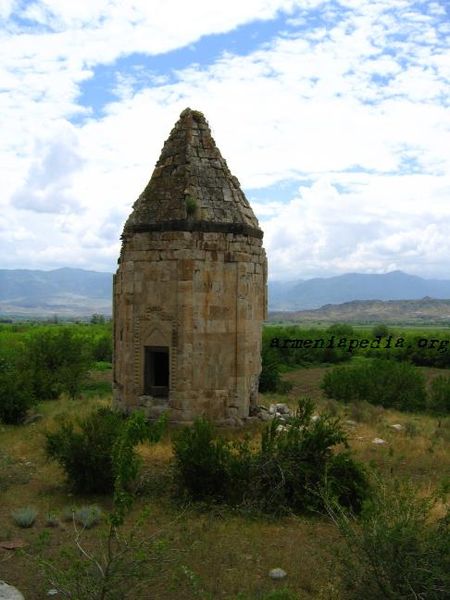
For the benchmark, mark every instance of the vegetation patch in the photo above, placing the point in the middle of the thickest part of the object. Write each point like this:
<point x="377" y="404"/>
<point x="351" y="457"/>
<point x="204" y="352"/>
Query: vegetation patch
<point x="86" y="450"/>
<point x="384" y="382"/>
<point x="295" y="460"/>
<point x="396" y="549"/>
<point x="24" y="517"/>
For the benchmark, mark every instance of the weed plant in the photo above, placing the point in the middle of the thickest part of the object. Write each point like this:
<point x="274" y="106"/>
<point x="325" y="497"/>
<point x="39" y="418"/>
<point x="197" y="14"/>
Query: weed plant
<point x="88" y="516"/>
<point x="24" y="517"/>
<point x="395" y="550"/>
<point x="121" y="565"/>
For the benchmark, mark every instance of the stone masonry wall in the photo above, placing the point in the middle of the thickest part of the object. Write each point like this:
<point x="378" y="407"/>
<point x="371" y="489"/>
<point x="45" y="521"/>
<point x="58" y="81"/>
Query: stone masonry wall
<point x="203" y="295"/>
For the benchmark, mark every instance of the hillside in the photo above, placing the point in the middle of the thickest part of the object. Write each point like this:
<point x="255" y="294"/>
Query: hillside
<point x="65" y="292"/>
<point x="72" y="293"/>
<point x="426" y="311"/>
<point x="314" y="293"/>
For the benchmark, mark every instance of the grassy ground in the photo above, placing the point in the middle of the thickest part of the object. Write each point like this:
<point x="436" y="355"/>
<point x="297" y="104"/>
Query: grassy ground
<point x="199" y="553"/>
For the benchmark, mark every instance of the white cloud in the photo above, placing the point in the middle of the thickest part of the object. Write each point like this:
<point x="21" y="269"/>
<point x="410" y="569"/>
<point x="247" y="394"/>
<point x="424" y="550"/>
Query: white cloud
<point x="47" y="186"/>
<point x="374" y="224"/>
<point x="358" y="104"/>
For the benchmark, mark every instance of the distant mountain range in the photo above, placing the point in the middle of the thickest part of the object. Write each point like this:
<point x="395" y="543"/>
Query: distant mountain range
<point x="314" y="293"/>
<point x="408" y="312"/>
<point x="64" y="292"/>
<point x="78" y="293"/>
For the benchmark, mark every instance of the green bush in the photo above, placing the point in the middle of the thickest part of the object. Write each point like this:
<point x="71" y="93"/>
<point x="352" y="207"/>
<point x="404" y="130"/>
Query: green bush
<point x="298" y="460"/>
<point x="384" y="382"/>
<point x="97" y="453"/>
<point x="395" y="550"/>
<point x="59" y="360"/>
<point x="380" y="330"/>
<point x="286" y="345"/>
<point x="208" y="467"/>
<point x="341" y="329"/>
<point x="102" y="347"/>
<point x="270" y="378"/>
<point x="88" y="516"/>
<point x="16" y="390"/>
<point x="439" y="401"/>
<point x="294" y="462"/>
<point x="24" y="517"/>
<point x="85" y="451"/>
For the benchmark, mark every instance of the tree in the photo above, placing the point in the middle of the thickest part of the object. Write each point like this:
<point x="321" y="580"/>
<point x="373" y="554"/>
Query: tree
<point x="97" y="319"/>
<point x="380" y="330"/>
<point x="59" y="360"/>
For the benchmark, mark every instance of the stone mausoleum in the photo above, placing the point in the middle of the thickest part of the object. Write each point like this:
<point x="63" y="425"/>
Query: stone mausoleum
<point x="190" y="293"/>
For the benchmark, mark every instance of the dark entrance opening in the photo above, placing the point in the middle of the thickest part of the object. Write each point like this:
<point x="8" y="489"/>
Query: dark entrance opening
<point x="156" y="371"/>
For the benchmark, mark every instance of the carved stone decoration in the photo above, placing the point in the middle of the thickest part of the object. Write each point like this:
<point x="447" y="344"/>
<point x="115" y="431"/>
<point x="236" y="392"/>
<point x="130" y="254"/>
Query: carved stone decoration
<point x="190" y="293"/>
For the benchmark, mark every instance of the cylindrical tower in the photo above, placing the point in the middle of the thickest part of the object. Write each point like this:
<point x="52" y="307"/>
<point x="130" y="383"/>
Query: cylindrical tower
<point x="190" y="293"/>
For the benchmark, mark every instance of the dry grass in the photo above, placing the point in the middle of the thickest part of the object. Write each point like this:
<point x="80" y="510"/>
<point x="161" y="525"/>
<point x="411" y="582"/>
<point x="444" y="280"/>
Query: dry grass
<point x="215" y="553"/>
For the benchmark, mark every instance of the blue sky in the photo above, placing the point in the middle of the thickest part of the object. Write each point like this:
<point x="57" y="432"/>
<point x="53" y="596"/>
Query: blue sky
<point x="334" y="115"/>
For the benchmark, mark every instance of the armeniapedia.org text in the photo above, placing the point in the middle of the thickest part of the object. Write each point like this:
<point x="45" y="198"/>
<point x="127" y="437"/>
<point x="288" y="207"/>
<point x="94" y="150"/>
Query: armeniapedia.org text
<point x="351" y="344"/>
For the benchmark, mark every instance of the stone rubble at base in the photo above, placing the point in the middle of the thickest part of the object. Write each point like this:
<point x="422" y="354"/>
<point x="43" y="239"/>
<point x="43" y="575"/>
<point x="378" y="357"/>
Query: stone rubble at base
<point x="9" y="592"/>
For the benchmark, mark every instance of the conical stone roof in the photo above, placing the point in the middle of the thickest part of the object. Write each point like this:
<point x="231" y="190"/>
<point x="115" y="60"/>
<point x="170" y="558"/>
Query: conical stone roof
<point x="191" y="188"/>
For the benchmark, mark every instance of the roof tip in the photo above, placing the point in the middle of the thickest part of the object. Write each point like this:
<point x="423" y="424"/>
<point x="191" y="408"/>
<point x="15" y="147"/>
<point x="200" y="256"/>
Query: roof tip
<point x="196" y="114"/>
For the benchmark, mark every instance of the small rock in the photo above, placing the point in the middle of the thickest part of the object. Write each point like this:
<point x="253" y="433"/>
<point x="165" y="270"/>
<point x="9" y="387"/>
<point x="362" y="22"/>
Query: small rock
<point x="32" y="419"/>
<point x="277" y="573"/>
<point x="315" y="418"/>
<point x="231" y="422"/>
<point x="397" y="426"/>
<point x="272" y="409"/>
<point x="262" y="407"/>
<point x="13" y="544"/>
<point x="265" y="416"/>
<point x="52" y="592"/>
<point x="8" y="592"/>
<point x="351" y="423"/>
<point x="281" y="428"/>
<point x="251" y="419"/>
<point x="378" y="441"/>
<point x="282" y="408"/>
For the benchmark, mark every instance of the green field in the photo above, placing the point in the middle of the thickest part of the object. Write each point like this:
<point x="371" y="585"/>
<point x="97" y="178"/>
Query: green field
<point x="196" y="550"/>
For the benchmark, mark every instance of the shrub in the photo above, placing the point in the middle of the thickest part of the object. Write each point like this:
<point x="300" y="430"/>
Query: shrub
<point x="270" y="378"/>
<point x="294" y="462"/>
<point x="388" y="383"/>
<point x="285" y="346"/>
<point x="395" y="550"/>
<point x="89" y="452"/>
<point x="25" y="517"/>
<point x="207" y="467"/>
<point x="298" y="460"/>
<point x="16" y="392"/>
<point x="102" y="348"/>
<point x="342" y="329"/>
<point x="84" y="452"/>
<point x="439" y="401"/>
<point x="191" y="205"/>
<point x="88" y="516"/>
<point x="59" y="360"/>
<point x="380" y="330"/>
